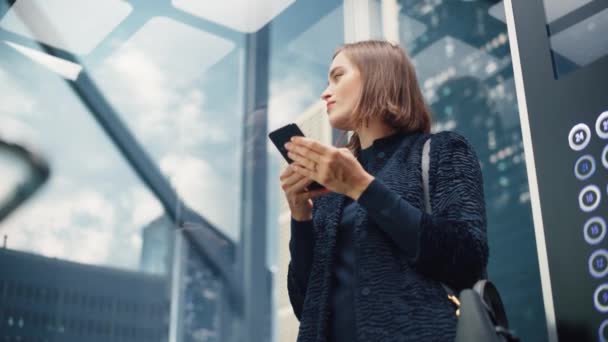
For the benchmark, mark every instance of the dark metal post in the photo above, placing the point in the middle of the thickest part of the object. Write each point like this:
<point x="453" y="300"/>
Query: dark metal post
<point x="257" y="285"/>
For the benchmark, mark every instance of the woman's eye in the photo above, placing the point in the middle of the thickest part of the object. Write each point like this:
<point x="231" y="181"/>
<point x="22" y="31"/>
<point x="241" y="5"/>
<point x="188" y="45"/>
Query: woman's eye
<point x="337" y="76"/>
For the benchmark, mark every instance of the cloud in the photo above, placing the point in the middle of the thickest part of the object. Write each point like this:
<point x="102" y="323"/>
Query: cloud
<point x="16" y="106"/>
<point x="203" y="188"/>
<point x="158" y="109"/>
<point x="143" y="206"/>
<point x="290" y="96"/>
<point x="76" y="226"/>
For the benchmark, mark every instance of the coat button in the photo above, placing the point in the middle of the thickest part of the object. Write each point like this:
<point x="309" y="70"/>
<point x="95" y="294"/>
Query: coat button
<point x="381" y="155"/>
<point x="365" y="291"/>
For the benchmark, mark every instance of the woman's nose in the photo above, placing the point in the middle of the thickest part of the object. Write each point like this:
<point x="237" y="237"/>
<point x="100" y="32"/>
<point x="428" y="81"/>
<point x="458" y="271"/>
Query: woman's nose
<point x="326" y="94"/>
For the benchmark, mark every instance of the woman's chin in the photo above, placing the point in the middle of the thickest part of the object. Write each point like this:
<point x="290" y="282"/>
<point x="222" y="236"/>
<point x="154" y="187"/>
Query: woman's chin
<point x="338" y="121"/>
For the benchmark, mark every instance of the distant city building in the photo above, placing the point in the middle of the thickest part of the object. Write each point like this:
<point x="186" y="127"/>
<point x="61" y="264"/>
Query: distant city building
<point x="47" y="299"/>
<point x="200" y="292"/>
<point x="157" y="246"/>
<point x="202" y="302"/>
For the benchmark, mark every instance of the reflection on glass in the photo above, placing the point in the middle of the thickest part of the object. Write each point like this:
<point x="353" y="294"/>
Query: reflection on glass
<point x="241" y="15"/>
<point x="71" y="260"/>
<point x="60" y="66"/>
<point x="557" y="9"/>
<point x="23" y="171"/>
<point x="462" y="58"/>
<point x="177" y="87"/>
<point x="80" y="24"/>
<point x="584" y="42"/>
<point x="93" y="208"/>
<point x="13" y="171"/>
<point x="177" y="82"/>
<point x="410" y="30"/>
<point x="301" y="45"/>
<point x="459" y="58"/>
<point x="577" y="32"/>
<point x="167" y="49"/>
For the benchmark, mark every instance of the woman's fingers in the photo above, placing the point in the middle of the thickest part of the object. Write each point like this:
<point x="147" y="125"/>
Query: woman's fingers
<point x="294" y="181"/>
<point x="286" y="173"/>
<point x="292" y="178"/>
<point x="317" y="193"/>
<point x="299" y="185"/>
<point x="302" y="160"/>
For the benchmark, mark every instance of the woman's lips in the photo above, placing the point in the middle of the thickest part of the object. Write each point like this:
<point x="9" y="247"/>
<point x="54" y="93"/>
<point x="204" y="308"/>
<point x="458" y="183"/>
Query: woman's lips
<point x="330" y="104"/>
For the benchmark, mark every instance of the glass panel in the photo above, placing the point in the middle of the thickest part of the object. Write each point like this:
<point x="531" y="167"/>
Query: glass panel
<point x="303" y="40"/>
<point x="577" y="31"/>
<point x="76" y="246"/>
<point x="557" y="9"/>
<point x="175" y="79"/>
<point x="571" y="47"/>
<point x="178" y="88"/>
<point x="241" y="15"/>
<point x="93" y="207"/>
<point x="79" y="26"/>
<point x="461" y="54"/>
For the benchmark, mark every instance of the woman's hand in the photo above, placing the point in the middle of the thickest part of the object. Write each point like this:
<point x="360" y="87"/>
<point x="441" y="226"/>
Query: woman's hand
<point x="335" y="168"/>
<point x="299" y="199"/>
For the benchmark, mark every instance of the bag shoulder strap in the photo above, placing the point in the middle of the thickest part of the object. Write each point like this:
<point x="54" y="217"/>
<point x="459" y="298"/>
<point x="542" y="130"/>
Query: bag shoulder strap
<point x="425" y="174"/>
<point x="486" y="290"/>
<point x="426" y="161"/>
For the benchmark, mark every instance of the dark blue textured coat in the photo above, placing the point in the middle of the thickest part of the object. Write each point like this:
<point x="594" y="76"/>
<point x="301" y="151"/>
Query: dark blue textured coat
<point x="399" y="296"/>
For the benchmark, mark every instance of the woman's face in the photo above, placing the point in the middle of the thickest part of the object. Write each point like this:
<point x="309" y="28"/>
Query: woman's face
<point x="343" y="92"/>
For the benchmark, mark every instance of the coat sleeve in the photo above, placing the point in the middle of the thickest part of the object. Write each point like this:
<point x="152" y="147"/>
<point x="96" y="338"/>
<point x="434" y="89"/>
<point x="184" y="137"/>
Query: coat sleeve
<point x="301" y="247"/>
<point x="453" y="244"/>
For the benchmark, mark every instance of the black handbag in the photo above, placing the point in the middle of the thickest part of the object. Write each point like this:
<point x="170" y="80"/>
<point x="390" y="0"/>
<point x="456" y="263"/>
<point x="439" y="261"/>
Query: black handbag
<point x="481" y="314"/>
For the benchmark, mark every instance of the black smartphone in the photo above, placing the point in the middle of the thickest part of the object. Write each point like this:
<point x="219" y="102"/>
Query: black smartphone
<point x="283" y="135"/>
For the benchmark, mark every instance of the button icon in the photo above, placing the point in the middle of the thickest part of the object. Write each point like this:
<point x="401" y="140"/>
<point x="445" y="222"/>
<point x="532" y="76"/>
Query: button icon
<point x="600" y="298"/>
<point x="601" y="125"/>
<point x="598" y="263"/>
<point x="589" y="198"/>
<point x="579" y="137"/>
<point x="585" y="167"/>
<point x="594" y="230"/>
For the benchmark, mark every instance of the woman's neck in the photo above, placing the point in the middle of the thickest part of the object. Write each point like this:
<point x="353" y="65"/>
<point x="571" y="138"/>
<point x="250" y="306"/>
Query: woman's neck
<point x="368" y="134"/>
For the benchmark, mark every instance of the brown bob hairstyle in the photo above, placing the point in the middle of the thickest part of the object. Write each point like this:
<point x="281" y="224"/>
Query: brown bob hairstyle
<point x="390" y="88"/>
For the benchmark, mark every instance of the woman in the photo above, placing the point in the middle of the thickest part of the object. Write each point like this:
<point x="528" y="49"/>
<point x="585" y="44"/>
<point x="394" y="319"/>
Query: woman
<point x="367" y="261"/>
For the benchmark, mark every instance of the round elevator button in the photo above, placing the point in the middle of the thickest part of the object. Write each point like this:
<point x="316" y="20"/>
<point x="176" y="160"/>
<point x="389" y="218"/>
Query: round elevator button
<point x="603" y="331"/>
<point x="600" y="298"/>
<point x="601" y="125"/>
<point x="584" y="167"/>
<point x="579" y="137"/>
<point x="594" y="230"/>
<point x="598" y="263"/>
<point x="589" y="198"/>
